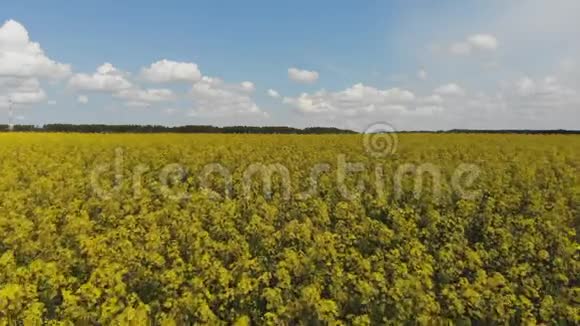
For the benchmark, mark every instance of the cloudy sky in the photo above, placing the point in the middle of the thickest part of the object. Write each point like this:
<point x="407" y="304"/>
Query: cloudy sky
<point x="427" y="65"/>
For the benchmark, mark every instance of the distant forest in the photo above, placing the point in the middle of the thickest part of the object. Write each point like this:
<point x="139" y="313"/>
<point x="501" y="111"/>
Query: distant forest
<point x="101" y="128"/>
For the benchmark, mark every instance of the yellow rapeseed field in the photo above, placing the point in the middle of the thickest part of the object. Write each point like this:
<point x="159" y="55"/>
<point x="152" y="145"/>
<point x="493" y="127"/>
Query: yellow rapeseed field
<point x="289" y="229"/>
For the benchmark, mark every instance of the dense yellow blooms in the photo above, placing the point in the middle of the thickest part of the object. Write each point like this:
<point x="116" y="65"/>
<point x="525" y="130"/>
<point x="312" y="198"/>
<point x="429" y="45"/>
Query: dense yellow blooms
<point x="136" y="230"/>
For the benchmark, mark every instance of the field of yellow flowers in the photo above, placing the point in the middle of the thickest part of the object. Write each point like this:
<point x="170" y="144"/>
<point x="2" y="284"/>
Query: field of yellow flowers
<point x="215" y="229"/>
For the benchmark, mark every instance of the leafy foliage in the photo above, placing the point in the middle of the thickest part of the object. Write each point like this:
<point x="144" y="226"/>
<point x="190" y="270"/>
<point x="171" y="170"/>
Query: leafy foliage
<point x="511" y="255"/>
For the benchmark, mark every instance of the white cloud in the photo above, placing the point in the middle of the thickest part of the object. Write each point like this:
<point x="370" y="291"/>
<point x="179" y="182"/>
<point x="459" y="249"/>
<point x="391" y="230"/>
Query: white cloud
<point x="460" y="48"/>
<point x="146" y="95"/>
<point x="82" y="99"/>
<point x="360" y="105"/>
<point x="449" y="90"/>
<point x="302" y="76"/>
<point x="248" y="86"/>
<point x="424" y="111"/>
<point x="215" y="98"/>
<point x="22" y="58"/>
<point x="273" y="93"/>
<point x="547" y="93"/>
<point x="473" y="43"/>
<point x="20" y="91"/>
<point x="107" y="78"/>
<point x="170" y="111"/>
<point x="171" y="71"/>
<point x="524" y="103"/>
<point x="525" y="86"/>
<point x="22" y="64"/>
<point x="432" y="99"/>
<point x="483" y="42"/>
<point x="422" y="74"/>
<point x="137" y="104"/>
<point x="28" y="97"/>
<point x="358" y="99"/>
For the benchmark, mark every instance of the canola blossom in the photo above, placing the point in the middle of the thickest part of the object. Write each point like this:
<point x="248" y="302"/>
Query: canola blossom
<point x="214" y="229"/>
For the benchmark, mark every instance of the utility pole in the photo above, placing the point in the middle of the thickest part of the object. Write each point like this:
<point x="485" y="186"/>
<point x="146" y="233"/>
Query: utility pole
<point x="10" y="114"/>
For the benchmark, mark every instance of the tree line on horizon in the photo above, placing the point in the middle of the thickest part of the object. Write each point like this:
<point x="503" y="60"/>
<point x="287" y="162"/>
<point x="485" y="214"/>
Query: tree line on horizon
<point x="104" y="128"/>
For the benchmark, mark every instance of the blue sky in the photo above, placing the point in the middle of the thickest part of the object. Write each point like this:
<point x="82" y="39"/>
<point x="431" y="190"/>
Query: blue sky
<point x="415" y="64"/>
